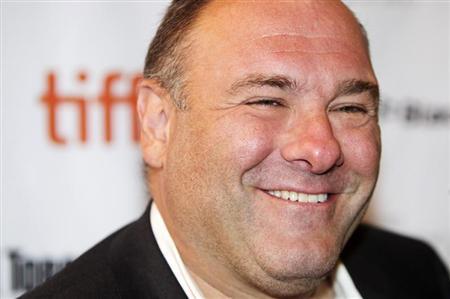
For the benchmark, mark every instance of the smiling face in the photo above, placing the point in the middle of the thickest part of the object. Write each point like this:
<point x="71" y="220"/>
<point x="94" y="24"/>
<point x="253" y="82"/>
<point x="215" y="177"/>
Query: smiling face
<point x="269" y="170"/>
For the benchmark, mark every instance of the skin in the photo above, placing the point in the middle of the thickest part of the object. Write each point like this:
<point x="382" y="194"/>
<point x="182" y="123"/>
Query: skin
<point x="266" y="112"/>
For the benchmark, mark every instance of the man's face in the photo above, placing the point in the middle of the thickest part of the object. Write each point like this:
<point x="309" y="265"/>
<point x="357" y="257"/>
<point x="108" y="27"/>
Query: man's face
<point x="272" y="166"/>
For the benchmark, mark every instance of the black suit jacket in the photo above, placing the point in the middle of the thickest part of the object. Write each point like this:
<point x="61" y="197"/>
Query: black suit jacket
<point x="129" y="264"/>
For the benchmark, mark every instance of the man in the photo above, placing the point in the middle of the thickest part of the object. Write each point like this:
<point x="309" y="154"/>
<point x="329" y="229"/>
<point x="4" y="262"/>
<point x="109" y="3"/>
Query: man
<point x="259" y="129"/>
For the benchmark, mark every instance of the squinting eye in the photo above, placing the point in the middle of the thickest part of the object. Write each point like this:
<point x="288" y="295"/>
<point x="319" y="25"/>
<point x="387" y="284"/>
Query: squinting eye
<point x="351" y="109"/>
<point x="350" y="115"/>
<point x="266" y="102"/>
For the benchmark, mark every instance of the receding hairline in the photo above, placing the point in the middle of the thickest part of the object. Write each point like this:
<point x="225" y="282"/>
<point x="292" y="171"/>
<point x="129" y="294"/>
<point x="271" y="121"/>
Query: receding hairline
<point x="188" y="41"/>
<point x="184" y="45"/>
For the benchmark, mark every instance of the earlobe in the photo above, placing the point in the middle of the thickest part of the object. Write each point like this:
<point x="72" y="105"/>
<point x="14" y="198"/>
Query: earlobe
<point x="154" y="116"/>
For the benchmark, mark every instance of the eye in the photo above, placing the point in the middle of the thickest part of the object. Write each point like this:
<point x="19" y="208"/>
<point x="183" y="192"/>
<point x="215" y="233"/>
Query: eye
<point x="266" y="103"/>
<point x="351" y="115"/>
<point x="351" y="109"/>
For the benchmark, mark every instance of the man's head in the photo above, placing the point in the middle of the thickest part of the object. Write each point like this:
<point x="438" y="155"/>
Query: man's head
<point x="264" y="176"/>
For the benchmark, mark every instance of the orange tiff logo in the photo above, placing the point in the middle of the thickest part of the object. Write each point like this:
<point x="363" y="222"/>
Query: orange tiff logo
<point x="53" y="100"/>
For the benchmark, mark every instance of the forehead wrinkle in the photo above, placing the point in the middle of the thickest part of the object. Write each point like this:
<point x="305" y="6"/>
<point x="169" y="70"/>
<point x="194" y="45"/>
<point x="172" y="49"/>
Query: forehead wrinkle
<point x="297" y="35"/>
<point x="324" y="52"/>
<point x="308" y="44"/>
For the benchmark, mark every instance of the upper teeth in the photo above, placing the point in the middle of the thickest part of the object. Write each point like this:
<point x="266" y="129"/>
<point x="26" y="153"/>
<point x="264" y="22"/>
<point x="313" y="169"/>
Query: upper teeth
<point x="301" y="197"/>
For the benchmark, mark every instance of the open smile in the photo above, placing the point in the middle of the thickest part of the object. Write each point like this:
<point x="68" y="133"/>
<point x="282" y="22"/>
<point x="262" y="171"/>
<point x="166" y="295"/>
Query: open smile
<point x="298" y="196"/>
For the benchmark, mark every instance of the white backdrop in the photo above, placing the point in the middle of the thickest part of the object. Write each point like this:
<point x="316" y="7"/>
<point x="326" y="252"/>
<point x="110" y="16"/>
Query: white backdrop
<point x="57" y="200"/>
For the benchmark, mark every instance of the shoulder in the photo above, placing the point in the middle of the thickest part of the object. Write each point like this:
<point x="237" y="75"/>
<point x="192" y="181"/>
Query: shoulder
<point x="89" y="276"/>
<point x="127" y="264"/>
<point x="387" y="245"/>
<point x="395" y="264"/>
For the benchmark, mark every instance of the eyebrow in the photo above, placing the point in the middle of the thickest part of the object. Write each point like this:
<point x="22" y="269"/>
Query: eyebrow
<point x="347" y="87"/>
<point x="351" y="87"/>
<point x="259" y="80"/>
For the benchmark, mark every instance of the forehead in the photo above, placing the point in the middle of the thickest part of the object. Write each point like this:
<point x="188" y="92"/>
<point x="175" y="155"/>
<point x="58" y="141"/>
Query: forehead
<point x="307" y="17"/>
<point x="298" y="38"/>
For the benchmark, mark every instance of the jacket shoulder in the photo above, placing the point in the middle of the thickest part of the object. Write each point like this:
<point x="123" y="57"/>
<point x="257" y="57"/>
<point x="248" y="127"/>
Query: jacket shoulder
<point x="88" y="276"/>
<point x="127" y="264"/>
<point x="394" y="265"/>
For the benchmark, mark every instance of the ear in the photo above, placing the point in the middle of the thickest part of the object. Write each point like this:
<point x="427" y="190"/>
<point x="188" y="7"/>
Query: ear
<point x="155" y="112"/>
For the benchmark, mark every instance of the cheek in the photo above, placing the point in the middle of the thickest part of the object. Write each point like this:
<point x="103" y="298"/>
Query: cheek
<point x="242" y="142"/>
<point x="362" y="149"/>
<point x="207" y="162"/>
<point x="219" y="151"/>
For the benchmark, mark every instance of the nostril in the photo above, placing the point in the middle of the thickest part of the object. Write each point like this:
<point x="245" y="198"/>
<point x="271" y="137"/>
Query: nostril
<point x="340" y="161"/>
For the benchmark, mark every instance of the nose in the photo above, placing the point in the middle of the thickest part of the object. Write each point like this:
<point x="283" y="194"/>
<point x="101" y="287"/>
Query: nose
<point x="312" y="145"/>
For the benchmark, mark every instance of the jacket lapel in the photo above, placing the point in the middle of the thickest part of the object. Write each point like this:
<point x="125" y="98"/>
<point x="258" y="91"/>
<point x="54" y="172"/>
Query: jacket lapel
<point x="138" y="265"/>
<point x="369" y="277"/>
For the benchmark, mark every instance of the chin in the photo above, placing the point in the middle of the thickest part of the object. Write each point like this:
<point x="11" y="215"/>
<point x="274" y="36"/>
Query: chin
<point x="294" y="264"/>
<point x="290" y="282"/>
<point x="286" y="272"/>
